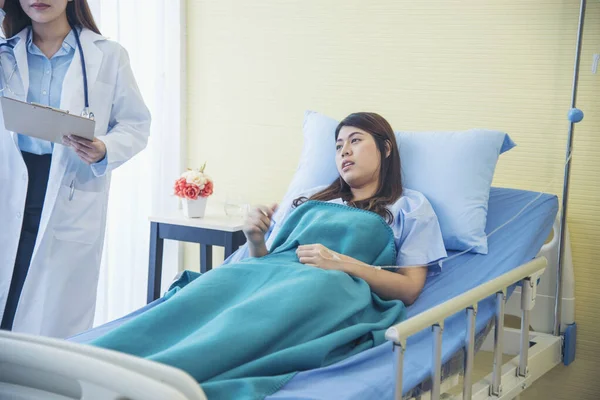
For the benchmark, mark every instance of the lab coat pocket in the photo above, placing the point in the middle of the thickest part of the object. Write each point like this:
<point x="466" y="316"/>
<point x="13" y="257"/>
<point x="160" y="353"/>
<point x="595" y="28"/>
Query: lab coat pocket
<point x="101" y="100"/>
<point x="78" y="215"/>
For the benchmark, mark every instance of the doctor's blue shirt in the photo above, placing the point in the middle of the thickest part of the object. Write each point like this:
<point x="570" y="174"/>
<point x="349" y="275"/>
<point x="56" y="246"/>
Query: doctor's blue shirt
<point x="46" y="78"/>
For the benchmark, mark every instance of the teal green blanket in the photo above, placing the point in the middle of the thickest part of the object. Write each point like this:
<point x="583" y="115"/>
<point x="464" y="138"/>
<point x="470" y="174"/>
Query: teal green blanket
<point x="243" y="330"/>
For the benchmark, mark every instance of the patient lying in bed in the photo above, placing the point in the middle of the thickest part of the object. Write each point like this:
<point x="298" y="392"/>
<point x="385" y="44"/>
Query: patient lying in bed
<point x="317" y="295"/>
<point x="368" y="161"/>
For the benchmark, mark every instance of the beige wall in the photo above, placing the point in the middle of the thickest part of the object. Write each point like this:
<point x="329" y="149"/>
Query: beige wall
<point x="255" y="66"/>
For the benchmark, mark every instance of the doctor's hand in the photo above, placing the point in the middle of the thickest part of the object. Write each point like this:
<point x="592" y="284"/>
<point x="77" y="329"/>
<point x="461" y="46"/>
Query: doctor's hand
<point x="89" y="151"/>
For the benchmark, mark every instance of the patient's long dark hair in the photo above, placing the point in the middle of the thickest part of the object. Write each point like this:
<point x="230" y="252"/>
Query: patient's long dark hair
<point x="390" y="179"/>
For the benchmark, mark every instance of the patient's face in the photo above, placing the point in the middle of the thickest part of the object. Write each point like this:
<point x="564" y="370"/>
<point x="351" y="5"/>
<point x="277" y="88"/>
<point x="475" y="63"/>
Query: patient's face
<point x="357" y="157"/>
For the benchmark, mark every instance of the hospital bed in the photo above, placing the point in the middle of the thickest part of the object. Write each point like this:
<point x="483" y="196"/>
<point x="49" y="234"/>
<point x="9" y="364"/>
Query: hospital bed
<point x="459" y="312"/>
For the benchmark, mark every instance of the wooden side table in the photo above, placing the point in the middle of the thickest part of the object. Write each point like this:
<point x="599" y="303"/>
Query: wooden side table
<point x="212" y="230"/>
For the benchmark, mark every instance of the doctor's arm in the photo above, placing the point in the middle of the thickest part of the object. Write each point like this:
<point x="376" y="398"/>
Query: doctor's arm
<point x="129" y="121"/>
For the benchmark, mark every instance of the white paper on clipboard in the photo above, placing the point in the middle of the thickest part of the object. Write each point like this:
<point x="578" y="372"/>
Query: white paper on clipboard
<point x="44" y="122"/>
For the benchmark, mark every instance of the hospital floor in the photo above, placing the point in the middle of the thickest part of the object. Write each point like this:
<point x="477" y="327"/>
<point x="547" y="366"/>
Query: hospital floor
<point x="581" y="376"/>
<point x="545" y="388"/>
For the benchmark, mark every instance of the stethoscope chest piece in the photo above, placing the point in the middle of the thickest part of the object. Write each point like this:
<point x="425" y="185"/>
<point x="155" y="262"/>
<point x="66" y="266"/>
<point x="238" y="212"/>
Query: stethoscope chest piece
<point x="86" y="113"/>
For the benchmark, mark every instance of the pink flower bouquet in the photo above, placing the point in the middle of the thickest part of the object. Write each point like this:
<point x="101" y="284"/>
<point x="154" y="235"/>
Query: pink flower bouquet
<point x="194" y="187"/>
<point x="194" y="183"/>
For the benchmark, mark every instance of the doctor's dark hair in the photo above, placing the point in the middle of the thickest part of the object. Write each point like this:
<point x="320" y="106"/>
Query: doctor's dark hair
<point x="390" y="179"/>
<point x="78" y="14"/>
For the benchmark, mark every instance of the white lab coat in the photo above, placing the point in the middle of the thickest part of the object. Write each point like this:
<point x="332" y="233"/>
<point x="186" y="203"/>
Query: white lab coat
<point x="59" y="295"/>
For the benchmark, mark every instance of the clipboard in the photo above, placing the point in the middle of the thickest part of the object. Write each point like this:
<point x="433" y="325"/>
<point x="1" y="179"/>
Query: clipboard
<point x="44" y="122"/>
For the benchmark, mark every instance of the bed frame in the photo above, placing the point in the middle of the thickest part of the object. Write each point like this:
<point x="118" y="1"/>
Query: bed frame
<point x="536" y="348"/>
<point x="29" y="370"/>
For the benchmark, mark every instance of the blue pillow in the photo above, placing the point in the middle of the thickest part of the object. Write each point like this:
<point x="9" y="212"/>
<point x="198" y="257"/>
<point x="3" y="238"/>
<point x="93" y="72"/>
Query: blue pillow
<point x="454" y="170"/>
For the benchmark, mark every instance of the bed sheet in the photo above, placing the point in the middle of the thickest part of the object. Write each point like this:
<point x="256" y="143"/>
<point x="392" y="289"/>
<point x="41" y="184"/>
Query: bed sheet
<point x="369" y="375"/>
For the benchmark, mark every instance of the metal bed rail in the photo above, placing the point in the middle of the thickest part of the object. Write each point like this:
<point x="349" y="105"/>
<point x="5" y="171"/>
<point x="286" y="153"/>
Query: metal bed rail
<point x="434" y="319"/>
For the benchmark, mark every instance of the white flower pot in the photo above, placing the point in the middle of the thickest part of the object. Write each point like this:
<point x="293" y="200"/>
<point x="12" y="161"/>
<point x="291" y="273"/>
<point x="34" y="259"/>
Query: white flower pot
<point x="194" y="208"/>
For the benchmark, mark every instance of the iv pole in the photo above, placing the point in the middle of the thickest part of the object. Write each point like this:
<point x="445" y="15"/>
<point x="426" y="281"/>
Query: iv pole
<point x="575" y="115"/>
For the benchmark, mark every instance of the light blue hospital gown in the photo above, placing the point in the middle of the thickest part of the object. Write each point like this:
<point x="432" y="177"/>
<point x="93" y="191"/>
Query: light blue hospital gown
<point x="417" y="232"/>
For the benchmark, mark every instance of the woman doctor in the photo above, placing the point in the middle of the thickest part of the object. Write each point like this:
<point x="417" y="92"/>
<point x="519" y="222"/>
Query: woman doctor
<point x="53" y="197"/>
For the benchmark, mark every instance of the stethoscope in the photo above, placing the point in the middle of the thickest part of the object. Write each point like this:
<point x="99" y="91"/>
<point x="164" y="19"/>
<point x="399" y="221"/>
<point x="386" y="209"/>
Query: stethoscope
<point x="86" y="113"/>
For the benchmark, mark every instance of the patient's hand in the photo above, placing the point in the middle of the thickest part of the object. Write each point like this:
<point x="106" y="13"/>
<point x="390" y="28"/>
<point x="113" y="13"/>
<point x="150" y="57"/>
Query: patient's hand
<point x="320" y="256"/>
<point x="256" y="226"/>
<point x="405" y="285"/>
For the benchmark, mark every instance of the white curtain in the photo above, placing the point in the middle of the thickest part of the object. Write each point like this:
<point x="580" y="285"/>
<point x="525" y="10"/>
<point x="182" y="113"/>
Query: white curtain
<point x="152" y="32"/>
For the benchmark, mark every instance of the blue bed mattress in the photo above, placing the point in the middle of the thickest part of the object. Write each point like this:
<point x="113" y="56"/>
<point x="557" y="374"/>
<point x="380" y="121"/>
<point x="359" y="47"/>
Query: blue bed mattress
<point x="370" y="374"/>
